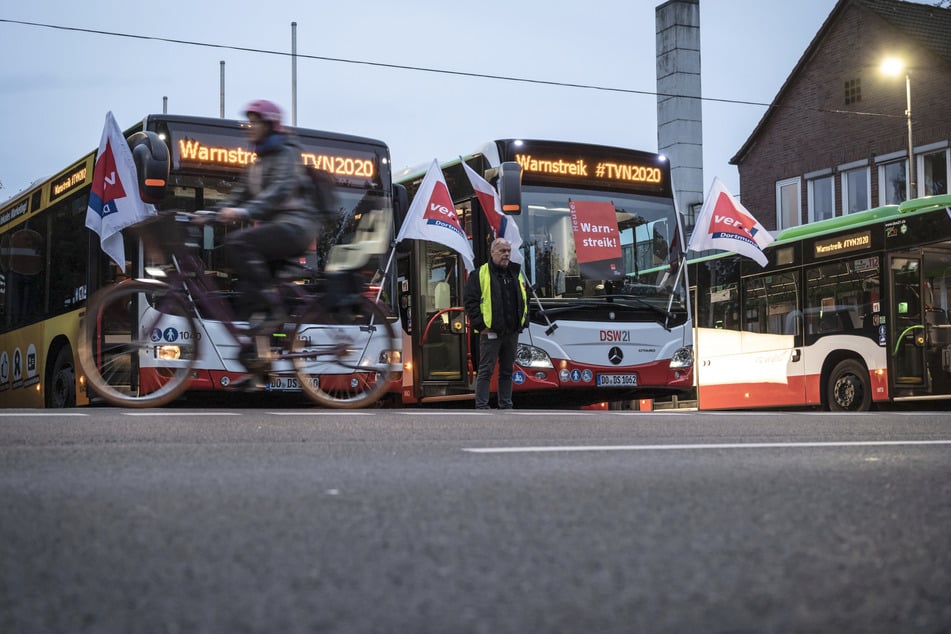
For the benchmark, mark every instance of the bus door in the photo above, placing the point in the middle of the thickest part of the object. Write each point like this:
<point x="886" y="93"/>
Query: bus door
<point x="936" y="265"/>
<point x="907" y="328"/>
<point x="439" y="333"/>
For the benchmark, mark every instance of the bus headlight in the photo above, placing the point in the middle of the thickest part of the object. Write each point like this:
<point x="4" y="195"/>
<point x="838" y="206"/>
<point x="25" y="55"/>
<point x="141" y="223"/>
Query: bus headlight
<point x="391" y="357"/>
<point x="532" y="357"/>
<point x="168" y="353"/>
<point x="682" y="358"/>
<point x="174" y="352"/>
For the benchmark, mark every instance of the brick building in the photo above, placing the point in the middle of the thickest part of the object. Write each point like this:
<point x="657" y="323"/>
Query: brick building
<point x="835" y="139"/>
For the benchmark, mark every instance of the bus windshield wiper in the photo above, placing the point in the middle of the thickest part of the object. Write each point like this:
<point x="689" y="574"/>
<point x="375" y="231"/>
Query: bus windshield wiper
<point x="611" y="300"/>
<point x="639" y="303"/>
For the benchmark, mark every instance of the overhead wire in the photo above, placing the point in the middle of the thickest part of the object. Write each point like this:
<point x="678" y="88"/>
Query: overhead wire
<point x="441" y="71"/>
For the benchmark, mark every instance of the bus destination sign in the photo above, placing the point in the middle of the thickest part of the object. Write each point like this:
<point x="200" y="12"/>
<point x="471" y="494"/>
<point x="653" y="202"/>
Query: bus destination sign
<point x="843" y="244"/>
<point x="597" y="170"/>
<point x="221" y="151"/>
<point x="70" y="180"/>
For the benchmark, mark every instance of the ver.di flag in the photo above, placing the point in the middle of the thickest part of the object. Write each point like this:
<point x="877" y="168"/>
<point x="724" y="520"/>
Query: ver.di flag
<point x="432" y="216"/>
<point x="502" y="225"/>
<point x="725" y="224"/>
<point x="114" y="202"/>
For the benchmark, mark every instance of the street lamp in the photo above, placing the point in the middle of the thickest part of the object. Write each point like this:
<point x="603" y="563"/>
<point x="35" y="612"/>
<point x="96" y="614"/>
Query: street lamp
<point x="894" y="66"/>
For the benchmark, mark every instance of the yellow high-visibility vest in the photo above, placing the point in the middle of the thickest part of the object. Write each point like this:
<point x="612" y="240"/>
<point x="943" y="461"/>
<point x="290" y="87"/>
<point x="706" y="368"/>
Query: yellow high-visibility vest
<point x="485" y="305"/>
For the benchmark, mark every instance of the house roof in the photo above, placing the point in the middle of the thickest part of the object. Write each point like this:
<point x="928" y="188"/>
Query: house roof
<point x="927" y="25"/>
<point x="930" y="26"/>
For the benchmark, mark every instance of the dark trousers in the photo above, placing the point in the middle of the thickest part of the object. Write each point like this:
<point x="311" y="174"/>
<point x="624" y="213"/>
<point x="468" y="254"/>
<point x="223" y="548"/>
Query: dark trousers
<point x="251" y="253"/>
<point x="501" y="350"/>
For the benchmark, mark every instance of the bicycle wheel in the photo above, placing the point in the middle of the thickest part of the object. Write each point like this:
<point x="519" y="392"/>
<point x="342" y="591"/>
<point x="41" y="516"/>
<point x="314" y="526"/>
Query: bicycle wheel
<point x="345" y="357"/>
<point x="138" y="344"/>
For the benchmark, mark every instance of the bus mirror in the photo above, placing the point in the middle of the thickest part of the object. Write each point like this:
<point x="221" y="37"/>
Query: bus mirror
<point x="151" y="165"/>
<point x="400" y="203"/>
<point x="510" y="187"/>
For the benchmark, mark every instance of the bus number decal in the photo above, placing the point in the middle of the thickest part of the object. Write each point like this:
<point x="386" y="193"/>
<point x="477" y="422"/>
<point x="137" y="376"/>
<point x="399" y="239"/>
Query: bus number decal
<point x="171" y="335"/>
<point x="623" y="336"/>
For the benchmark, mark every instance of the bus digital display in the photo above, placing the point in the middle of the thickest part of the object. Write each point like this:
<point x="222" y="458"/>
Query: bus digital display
<point x="228" y="150"/>
<point x="843" y="244"/>
<point x="14" y="212"/>
<point x="599" y="167"/>
<point x="69" y="181"/>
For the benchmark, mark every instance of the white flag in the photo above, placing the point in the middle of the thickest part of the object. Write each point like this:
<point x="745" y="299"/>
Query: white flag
<point x="432" y="216"/>
<point x="114" y="202"/>
<point x="725" y="224"/>
<point x="502" y="226"/>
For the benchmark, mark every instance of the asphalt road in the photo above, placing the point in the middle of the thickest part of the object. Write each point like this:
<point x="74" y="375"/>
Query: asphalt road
<point x="301" y="520"/>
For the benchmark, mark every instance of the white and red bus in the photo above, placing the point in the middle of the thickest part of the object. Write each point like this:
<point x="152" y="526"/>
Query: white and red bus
<point x="609" y="312"/>
<point x="50" y="262"/>
<point x="849" y="312"/>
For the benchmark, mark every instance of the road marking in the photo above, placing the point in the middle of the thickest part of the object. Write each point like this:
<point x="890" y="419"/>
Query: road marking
<point x="751" y="445"/>
<point x="335" y="412"/>
<point x="443" y="413"/>
<point x="22" y="414"/>
<point x="174" y="413"/>
<point x="524" y="412"/>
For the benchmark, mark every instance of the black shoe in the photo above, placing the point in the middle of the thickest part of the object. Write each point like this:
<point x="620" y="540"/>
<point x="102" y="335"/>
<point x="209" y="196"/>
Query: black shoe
<point x="248" y="383"/>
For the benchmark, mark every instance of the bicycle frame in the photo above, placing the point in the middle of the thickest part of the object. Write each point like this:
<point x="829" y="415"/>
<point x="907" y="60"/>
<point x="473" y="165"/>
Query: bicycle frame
<point x="337" y="343"/>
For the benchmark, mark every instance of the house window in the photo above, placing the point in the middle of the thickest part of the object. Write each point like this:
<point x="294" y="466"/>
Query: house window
<point x="821" y="198"/>
<point x="853" y="91"/>
<point x="788" y="203"/>
<point x="856" y="190"/>
<point x="893" y="182"/>
<point x="934" y="173"/>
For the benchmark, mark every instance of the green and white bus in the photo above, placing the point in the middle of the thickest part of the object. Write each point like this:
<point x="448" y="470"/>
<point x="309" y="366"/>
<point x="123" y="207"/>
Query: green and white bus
<point x="849" y="312"/>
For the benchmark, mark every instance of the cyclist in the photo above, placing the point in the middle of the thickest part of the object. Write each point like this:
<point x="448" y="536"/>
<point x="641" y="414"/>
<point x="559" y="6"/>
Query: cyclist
<point x="277" y="195"/>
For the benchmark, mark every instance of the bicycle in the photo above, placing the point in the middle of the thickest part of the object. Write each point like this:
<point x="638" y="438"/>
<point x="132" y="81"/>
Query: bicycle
<point x="141" y="338"/>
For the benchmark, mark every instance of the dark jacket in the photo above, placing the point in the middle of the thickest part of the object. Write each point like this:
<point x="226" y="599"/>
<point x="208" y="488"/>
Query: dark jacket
<point x="275" y="188"/>
<point x="507" y="316"/>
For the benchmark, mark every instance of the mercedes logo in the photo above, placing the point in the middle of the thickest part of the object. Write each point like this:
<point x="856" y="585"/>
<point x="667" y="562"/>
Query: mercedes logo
<point x="615" y="355"/>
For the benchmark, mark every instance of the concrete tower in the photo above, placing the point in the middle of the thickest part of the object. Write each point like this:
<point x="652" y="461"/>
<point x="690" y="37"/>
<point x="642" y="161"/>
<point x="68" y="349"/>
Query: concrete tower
<point x="679" y="112"/>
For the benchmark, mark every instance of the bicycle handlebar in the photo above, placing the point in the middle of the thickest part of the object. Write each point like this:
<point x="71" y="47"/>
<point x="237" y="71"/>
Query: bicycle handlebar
<point x="200" y="216"/>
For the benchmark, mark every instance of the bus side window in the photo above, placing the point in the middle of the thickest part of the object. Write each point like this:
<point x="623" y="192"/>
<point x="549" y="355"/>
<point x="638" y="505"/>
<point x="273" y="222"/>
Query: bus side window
<point x="792" y="323"/>
<point x="829" y="322"/>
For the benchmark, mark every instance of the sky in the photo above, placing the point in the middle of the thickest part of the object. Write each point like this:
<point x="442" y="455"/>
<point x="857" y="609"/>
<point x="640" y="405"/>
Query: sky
<point x="57" y="85"/>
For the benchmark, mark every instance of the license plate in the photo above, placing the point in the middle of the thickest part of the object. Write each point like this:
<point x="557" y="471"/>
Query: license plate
<point x="617" y="380"/>
<point x="287" y="383"/>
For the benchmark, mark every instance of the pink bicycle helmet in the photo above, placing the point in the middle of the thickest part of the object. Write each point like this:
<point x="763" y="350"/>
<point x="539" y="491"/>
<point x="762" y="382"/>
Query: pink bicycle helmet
<point x="267" y="110"/>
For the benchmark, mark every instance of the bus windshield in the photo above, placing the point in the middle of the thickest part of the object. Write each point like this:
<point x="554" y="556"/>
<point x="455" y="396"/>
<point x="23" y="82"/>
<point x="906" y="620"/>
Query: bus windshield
<point x="580" y="246"/>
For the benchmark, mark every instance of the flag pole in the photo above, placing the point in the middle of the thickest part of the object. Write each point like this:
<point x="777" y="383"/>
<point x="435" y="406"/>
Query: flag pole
<point x="552" y="327"/>
<point x="670" y="300"/>
<point x="386" y="270"/>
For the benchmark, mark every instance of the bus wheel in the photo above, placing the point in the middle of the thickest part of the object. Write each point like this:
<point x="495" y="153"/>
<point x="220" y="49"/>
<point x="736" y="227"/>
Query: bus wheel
<point x="848" y="389"/>
<point x="61" y="390"/>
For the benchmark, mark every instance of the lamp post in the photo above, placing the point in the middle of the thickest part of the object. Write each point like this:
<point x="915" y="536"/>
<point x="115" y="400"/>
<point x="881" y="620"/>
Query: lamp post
<point x="894" y="66"/>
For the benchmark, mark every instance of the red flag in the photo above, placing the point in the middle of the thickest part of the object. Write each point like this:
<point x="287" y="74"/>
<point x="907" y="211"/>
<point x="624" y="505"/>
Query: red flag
<point x="502" y="226"/>
<point x="723" y="223"/>
<point x="432" y="216"/>
<point x="111" y="209"/>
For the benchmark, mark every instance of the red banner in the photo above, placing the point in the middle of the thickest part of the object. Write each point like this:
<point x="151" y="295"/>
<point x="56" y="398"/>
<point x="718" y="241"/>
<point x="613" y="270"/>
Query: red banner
<point x="597" y="239"/>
